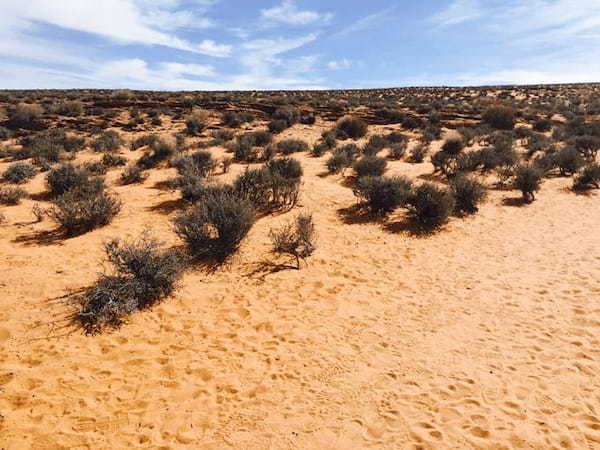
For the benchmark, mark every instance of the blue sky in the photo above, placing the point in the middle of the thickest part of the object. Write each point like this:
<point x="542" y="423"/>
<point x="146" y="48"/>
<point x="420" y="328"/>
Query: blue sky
<point x="295" y="44"/>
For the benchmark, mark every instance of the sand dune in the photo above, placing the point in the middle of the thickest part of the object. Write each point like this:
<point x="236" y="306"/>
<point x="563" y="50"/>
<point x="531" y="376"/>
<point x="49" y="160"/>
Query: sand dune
<point x="484" y="335"/>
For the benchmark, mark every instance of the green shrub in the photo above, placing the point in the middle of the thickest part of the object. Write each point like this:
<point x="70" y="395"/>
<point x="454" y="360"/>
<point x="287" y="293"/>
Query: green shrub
<point x="289" y="146"/>
<point x="370" y="166"/>
<point x="79" y="210"/>
<point x="201" y="163"/>
<point x="468" y="193"/>
<point x="144" y="140"/>
<point x="275" y="186"/>
<point x="132" y="174"/>
<point x="528" y="180"/>
<point x="419" y="152"/>
<point x="382" y="195"/>
<point x="161" y="151"/>
<point x="568" y="160"/>
<point x="19" y="173"/>
<point x="108" y="141"/>
<point x="25" y="115"/>
<point x="587" y="146"/>
<point x="351" y="127"/>
<point x="215" y="227"/>
<point x="543" y="125"/>
<point x="11" y="195"/>
<point x="196" y="123"/>
<point x="66" y="177"/>
<point x="589" y="177"/>
<point x="500" y="117"/>
<point x="430" y="207"/>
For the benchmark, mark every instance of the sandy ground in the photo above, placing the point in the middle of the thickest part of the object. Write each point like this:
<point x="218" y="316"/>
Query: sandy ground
<point x="485" y="335"/>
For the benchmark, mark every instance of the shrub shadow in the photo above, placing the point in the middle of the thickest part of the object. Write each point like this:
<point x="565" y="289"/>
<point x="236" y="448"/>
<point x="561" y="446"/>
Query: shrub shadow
<point x="52" y="237"/>
<point x="169" y="206"/>
<point x="515" y="201"/>
<point x="356" y="214"/>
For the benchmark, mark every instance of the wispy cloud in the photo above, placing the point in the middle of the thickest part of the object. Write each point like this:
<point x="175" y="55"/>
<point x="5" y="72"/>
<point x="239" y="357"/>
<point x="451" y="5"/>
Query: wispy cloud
<point x="288" y="13"/>
<point x="367" y="22"/>
<point x="458" y="12"/>
<point x="122" y="21"/>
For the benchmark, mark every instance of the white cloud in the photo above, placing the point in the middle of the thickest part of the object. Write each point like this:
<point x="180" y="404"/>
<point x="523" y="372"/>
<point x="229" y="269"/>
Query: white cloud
<point x="288" y="13"/>
<point x="211" y="48"/>
<point x="339" y="64"/>
<point x="367" y="22"/>
<point x="122" y="21"/>
<point x="458" y="12"/>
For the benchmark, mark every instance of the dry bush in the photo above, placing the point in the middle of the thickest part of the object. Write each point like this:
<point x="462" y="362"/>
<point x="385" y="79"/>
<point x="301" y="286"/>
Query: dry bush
<point x="215" y="227"/>
<point x="19" y="173"/>
<point x="143" y="274"/>
<point x="381" y="195"/>
<point x="429" y="206"/>
<point x="197" y="122"/>
<point x="11" y="195"/>
<point x="296" y="239"/>
<point x="351" y="127"/>
<point x="528" y="180"/>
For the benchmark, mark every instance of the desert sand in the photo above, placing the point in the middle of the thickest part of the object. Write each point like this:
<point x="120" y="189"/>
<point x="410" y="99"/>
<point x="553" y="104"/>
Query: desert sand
<point x="483" y="335"/>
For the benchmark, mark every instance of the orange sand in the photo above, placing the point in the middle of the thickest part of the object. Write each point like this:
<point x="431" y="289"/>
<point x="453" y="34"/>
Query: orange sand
<point x="485" y="335"/>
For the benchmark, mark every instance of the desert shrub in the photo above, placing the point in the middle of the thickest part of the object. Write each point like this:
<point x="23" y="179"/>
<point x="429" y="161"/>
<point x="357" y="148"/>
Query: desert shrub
<point x="375" y="144"/>
<point x="453" y="146"/>
<point x="288" y="115"/>
<point x="587" y="146"/>
<point x="196" y="122"/>
<point x="391" y="115"/>
<point x="418" y="153"/>
<point x="339" y="161"/>
<point x="144" y="140"/>
<point x="429" y="206"/>
<point x="11" y="195"/>
<point x="19" y="173"/>
<point x="143" y="274"/>
<point x="277" y="126"/>
<point x="95" y="167"/>
<point x="274" y="186"/>
<point x="446" y="163"/>
<point x="351" y="127"/>
<point x="161" y="150"/>
<point x="370" y="166"/>
<point x="191" y="186"/>
<point x="319" y="149"/>
<point x="109" y="160"/>
<point x="201" y="163"/>
<point x="268" y="153"/>
<point x="468" y="193"/>
<point x="500" y="117"/>
<point x="222" y="136"/>
<point x="395" y="137"/>
<point x="568" y="160"/>
<point x="589" y="177"/>
<point x="397" y="150"/>
<point x="308" y="119"/>
<point x="25" y="115"/>
<point x="81" y="210"/>
<point x="296" y="239"/>
<point x="411" y="122"/>
<point x="257" y="138"/>
<point x="132" y="174"/>
<point x="528" y="180"/>
<point x="289" y="146"/>
<point x="235" y="119"/>
<point x="66" y="177"/>
<point x="215" y="227"/>
<point x="108" y="141"/>
<point x="542" y="126"/>
<point x="5" y="133"/>
<point x="329" y="139"/>
<point x="382" y="195"/>
<point x="70" y="108"/>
